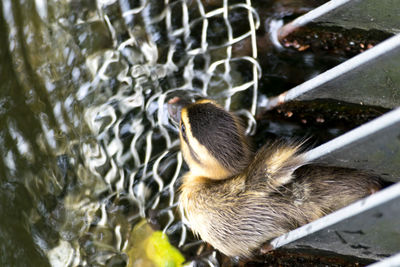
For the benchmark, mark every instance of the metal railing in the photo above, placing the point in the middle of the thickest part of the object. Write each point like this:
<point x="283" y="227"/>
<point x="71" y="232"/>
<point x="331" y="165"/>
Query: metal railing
<point x="369" y="228"/>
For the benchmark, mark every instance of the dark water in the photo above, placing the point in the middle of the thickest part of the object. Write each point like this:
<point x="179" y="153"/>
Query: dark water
<point x="87" y="149"/>
<point x="39" y="120"/>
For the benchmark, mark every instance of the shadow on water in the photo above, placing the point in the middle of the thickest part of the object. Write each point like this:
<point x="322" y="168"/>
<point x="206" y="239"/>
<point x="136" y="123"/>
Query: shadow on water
<point x="16" y="244"/>
<point x="36" y="130"/>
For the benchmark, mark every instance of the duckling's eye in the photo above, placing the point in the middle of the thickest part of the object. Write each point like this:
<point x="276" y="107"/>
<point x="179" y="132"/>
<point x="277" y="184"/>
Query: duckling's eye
<point x="183" y="131"/>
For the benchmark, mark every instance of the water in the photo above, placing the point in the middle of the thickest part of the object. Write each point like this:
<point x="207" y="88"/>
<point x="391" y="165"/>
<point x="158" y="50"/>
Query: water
<point x="87" y="149"/>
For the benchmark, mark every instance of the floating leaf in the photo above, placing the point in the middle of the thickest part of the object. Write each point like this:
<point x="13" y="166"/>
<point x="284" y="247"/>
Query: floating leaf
<point x="152" y="248"/>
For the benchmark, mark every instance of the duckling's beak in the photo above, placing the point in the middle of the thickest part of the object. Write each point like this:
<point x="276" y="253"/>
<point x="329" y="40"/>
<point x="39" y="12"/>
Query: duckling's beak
<point x="175" y="106"/>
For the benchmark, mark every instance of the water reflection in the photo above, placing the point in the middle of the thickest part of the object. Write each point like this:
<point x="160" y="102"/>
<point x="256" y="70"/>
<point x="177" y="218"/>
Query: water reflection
<point x="87" y="149"/>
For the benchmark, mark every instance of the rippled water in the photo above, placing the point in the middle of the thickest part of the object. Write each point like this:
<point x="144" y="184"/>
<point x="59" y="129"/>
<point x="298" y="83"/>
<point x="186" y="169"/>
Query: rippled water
<point x="87" y="150"/>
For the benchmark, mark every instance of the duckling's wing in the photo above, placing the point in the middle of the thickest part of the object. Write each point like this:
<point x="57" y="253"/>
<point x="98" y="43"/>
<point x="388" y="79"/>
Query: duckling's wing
<point x="274" y="164"/>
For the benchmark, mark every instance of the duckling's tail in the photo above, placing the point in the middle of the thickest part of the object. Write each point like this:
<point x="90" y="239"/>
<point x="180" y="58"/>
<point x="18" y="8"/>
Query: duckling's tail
<point x="275" y="163"/>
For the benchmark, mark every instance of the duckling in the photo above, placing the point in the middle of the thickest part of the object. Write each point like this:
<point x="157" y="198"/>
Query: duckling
<point x="236" y="199"/>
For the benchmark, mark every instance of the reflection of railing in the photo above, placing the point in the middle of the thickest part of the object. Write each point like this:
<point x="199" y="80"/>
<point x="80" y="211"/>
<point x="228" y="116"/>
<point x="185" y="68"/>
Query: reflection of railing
<point x="163" y="48"/>
<point x="370" y="228"/>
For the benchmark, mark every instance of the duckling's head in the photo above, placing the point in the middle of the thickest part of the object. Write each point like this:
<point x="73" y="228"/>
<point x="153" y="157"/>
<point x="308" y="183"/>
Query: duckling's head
<point x="212" y="140"/>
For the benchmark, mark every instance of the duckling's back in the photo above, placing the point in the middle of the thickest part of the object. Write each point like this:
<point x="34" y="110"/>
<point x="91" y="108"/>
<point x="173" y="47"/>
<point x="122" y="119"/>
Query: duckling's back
<point x="332" y="188"/>
<point x="317" y="190"/>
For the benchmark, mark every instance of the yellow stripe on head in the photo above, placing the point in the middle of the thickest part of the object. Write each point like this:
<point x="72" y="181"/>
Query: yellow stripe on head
<point x="211" y="141"/>
<point x="197" y="156"/>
